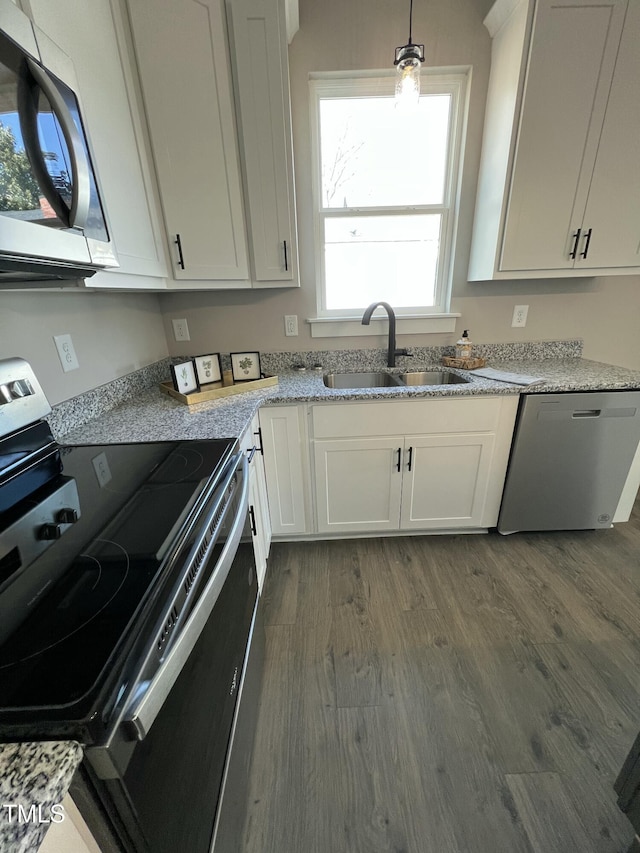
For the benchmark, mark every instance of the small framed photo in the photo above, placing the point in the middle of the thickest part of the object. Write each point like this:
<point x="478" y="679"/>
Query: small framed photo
<point x="184" y="377"/>
<point x="208" y="368"/>
<point x="245" y="366"/>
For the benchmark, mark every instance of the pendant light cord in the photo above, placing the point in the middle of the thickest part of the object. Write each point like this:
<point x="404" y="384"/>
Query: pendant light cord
<point x="410" y="19"/>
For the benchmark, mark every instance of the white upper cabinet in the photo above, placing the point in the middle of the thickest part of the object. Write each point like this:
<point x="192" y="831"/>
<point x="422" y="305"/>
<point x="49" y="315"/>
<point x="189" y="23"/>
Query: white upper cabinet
<point x="258" y="36"/>
<point x="559" y="183"/>
<point x="223" y="156"/>
<point x="183" y="62"/>
<point x="613" y="207"/>
<point x="89" y="34"/>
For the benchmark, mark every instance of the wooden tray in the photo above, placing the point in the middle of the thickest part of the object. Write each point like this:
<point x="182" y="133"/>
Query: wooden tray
<point x="463" y="363"/>
<point x="217" y="390"/>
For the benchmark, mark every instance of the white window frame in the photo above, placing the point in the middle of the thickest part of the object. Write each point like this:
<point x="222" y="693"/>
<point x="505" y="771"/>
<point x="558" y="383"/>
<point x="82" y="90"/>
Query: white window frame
<point x="453" y="81"/>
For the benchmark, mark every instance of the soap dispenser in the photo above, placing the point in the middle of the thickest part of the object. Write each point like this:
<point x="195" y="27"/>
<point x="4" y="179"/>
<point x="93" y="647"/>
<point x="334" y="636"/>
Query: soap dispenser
<point x="463" y="346"/>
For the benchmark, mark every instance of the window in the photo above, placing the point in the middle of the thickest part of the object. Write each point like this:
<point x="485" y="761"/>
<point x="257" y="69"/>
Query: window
<point x="385" y="192"/>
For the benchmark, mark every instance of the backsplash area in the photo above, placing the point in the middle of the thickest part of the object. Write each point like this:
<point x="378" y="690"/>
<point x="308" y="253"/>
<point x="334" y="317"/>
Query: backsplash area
<point x="83" y="408"/>
<point x="80" y="410"/>
<point x="355" y="359"/>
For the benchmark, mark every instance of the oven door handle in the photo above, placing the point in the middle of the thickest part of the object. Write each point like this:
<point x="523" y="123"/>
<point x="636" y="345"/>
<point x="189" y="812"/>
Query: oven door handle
<point x="142" y="713"/>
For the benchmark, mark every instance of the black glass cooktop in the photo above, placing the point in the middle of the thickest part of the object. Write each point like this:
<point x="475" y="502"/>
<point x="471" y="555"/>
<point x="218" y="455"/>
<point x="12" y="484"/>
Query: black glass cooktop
<point x="83" y="560"/>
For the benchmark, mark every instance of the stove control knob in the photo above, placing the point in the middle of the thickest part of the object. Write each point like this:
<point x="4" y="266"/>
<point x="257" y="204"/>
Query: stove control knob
<point x="20" y="388"/>
<point x="50" y="531"/>
<point x="67" y="515"/>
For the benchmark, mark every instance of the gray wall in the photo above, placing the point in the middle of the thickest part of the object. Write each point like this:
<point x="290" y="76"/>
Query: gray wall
<point x="360" y="34"/>
<point x="113" y="334"/>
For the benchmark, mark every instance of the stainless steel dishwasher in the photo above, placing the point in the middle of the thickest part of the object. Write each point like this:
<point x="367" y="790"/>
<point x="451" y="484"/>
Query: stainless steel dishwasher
<point x="569" y="461"/>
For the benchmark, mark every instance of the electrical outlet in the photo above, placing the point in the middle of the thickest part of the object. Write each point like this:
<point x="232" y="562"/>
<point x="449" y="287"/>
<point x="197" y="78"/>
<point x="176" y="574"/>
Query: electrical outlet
<point x="181" y="330"/>
<point x="290" y="325"/>
<point x="66" y="352"/>
<point x="519" y="316"/>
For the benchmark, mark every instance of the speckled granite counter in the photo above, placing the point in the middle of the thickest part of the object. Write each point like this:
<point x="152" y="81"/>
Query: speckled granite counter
<point x="153" y="416"/>
<point x="32" y="774"/>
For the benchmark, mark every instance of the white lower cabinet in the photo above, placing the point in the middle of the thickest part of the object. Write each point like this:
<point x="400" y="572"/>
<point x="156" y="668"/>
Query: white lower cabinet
<point x="258" y="504"/>
<point x="445" y="479"/>
<point x="448" y="476"/>
<point x="286" y="465"/>
<point x="358" y="483"/>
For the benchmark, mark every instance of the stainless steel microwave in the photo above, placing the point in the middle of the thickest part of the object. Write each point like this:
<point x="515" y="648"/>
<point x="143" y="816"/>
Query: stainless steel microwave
<point x="53" y="224"/>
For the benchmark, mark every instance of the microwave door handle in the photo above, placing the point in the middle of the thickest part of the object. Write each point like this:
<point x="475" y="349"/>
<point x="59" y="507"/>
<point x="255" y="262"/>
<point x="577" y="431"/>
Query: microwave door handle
<point x="80" y="184"/>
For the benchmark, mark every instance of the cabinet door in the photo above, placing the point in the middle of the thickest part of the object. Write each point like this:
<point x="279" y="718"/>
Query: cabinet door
<point x="261" y="485"/>
<point x="445" y="480"/>
<point x="183" y="61"/>
<point x="613" y="208"/>
<point x="258" y="510"/>
<point x="255" y="519"/>
<point x="358" y="484"/>
<point x="286" y="464"/>
<point x="106" y="87"/>
<point x="570" y="68"/>
<point x="261" y="72"/>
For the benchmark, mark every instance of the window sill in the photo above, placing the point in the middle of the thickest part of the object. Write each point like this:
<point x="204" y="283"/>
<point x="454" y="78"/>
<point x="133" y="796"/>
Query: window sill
<point x="415" y="324"/>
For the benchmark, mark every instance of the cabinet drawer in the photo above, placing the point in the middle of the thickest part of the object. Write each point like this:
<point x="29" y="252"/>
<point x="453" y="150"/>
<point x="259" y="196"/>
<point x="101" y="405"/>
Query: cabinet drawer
<point x="406" y="417"/>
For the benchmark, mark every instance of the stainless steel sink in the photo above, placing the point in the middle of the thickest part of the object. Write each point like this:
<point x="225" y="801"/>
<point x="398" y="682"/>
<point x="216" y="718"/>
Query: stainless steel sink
<point x="431" y="377"/>
<point x="392" y="380"/>
<point x="361" y="380"/>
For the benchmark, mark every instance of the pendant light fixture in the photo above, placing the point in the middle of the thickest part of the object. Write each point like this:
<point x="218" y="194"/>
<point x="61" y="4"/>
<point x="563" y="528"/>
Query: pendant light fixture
<point x="407" y="62"/>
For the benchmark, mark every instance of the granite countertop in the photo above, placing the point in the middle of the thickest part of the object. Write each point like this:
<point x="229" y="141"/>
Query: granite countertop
<point x="33" y="774"/>
<point x="154" y="416"/>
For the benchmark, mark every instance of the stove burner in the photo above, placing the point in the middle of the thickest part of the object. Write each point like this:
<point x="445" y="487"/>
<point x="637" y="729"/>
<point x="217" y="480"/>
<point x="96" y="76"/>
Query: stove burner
<point x="69" y="606"/>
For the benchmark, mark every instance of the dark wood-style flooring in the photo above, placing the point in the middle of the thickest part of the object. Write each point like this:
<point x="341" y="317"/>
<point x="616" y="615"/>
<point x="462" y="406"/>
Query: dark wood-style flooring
<point x="448" y="694"/>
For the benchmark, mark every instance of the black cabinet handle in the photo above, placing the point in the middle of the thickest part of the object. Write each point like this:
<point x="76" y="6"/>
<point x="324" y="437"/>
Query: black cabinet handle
<point x="410" y="458"/>
<point x="574" y="251"/>
<point x="251" y="453"/>
<point x="259" y="434"/>
<point x="286" y="260"/>
<point x="252" y="519"/>
<point x="587" y="240"/>
<point x="178" y="243"/>
<point x="399" y="458"/>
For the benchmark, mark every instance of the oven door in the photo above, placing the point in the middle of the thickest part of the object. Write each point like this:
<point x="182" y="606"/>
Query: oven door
<point x="169" y="756"/>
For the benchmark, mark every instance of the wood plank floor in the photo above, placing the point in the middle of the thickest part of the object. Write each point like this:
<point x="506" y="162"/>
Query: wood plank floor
<point x="448" y="694"/>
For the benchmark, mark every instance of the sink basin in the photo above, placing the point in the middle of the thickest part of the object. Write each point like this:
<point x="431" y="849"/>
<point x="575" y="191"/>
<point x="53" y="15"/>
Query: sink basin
<point x="392" y="380"/>
<point x="431" y="377"/>
<point x="361" y="380"/>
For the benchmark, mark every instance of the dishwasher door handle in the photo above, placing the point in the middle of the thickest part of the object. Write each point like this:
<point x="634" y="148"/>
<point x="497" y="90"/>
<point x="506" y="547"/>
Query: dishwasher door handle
<point x="586" y="413"/>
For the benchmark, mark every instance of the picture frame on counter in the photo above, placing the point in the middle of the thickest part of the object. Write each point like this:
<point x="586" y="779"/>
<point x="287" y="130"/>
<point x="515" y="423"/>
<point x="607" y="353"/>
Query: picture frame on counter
<point x="208" y="368"/>
<point x="185" y="377"/>
<point x="245" y="366"/>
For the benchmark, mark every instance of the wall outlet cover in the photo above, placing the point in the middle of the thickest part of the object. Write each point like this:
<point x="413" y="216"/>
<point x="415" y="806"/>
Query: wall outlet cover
<point x="290" y="325"/>
<point x="66" y="352"/>
<point x="519" y="318"/>
<point x="181" y="330"/>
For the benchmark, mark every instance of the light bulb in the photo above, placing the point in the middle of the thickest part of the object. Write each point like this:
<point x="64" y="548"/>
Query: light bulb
<point x="408" y="83"/>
